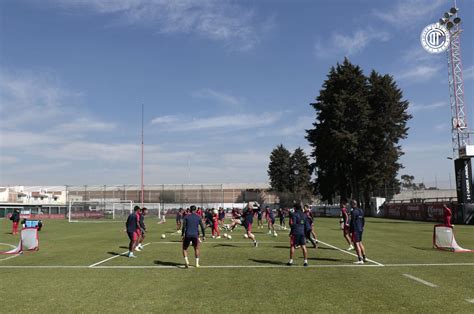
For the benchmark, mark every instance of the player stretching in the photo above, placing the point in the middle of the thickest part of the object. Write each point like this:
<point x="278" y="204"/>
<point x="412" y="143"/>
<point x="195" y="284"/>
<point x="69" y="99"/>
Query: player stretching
<point x="357" y="228"/>
<point x="270" y="220"/>
<point x="247" y="223"/>
<point x="141" y="223"/>
<point x="190" y="234"/>
<point x="132" y="227"/>
<point x="299" y="226"/>
<point x="345" y="225"/>
<point x="310" y="234"/>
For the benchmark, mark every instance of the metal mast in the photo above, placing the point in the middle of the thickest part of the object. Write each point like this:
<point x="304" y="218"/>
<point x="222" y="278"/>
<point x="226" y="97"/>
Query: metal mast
<point x="459" y="130"/>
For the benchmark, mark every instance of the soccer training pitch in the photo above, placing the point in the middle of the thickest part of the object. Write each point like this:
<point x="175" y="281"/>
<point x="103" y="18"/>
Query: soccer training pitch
<point x="79" y="268"/>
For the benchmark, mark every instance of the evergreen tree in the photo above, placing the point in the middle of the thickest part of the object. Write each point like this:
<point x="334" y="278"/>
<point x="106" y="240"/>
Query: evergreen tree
<point x="355" y="139"/>
<point x="279" y="169"/>
<point x="300" y="176"/>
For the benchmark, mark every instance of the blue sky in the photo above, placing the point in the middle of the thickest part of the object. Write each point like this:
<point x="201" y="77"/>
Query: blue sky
<point x="222" y="82"/>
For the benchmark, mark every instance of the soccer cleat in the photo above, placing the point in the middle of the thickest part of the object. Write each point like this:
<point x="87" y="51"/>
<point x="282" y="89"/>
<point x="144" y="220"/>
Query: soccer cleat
<point x="305" y="264"/>
<point x="359" y="262"/>
<point x="255" y="244"/>
<point x="131" y="255"/>
<point x="365" y="260"/>
<point x="218" y="237"/>
<point x="350" y="248"/>
<point x="197" y="265"/>
<point x="269" y="232"/>
<point x="138" y="249"/>
<point x="289" y="264"/>
<point x="186" y="265"/>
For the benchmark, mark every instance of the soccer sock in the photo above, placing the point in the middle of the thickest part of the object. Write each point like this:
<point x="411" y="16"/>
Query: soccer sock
<point x="186" y="260"/>
<point x="306" y="261"/>
<point x="197" y="260"/>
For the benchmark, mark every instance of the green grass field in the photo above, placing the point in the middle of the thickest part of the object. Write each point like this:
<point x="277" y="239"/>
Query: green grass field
<point x="235" y="276"/>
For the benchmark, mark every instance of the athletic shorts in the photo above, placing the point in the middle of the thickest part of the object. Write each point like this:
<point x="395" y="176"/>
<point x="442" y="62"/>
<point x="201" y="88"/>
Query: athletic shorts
<point x="187" y="241"/>
<point x="272" y="221"/>
<point x="345" y="230"/>
<point x="132" y="236"/>
<point x="298" y="239"/>
<point x="356" y="236"/>
<point x="248" y="227"/>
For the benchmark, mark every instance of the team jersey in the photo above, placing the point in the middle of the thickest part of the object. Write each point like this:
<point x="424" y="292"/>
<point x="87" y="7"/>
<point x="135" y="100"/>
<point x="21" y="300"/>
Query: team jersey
<point x="270" y="214"/>
<point x="248" y="216"/>
<point x="309" y="215"/>
<point x="299" y="223"/>
<point x="357" y="221"/>
<point x="345" y="216"/>
<point x="236" y="214"/>
<point x="132" y="222"/>
<point x="190" y="226"/>
<point x="141" y="221"/>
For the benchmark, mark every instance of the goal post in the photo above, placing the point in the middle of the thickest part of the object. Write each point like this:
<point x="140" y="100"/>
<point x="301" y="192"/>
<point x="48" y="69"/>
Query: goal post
<point x="99" y="210"/>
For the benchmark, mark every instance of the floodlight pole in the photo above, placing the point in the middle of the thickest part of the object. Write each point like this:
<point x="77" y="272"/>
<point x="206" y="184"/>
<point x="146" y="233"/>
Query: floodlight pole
<point x="142" y="192"/>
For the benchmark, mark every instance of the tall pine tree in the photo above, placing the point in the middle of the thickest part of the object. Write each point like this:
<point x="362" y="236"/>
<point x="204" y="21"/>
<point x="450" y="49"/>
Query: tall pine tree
<point x="355" y="139"/>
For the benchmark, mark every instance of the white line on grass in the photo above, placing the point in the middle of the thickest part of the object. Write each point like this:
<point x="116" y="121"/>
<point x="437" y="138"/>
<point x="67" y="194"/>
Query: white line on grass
<point x="470" y="300"/>
<point x="427" y="283"/>
<point x="339" y="249"/>
<point x="432" y="264"/>
<point x="11" y="256"/>
<point x="108" y="259"/>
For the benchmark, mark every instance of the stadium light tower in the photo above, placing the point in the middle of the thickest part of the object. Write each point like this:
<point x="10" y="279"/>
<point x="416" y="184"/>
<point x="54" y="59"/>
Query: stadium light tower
<point x="446" y="36"/>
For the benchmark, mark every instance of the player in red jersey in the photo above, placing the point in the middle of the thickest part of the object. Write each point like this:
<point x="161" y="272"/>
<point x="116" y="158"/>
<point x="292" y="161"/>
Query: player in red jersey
<point x="215" y="224"/>
<point x="447" y="214"/>
<point x="345" y="225"/>
<point x="270" y="217"/>
<point x="236" y="219"/>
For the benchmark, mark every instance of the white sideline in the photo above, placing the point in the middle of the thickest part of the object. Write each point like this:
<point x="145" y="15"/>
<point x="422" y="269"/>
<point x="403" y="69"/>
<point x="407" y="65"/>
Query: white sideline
<point x="427" y="283"/>
<point x="226" y="266"/>
<point x="470" y="300"/>
<point x="339" y="249"/>
<point x="10" y="256"/>
<point x="108" y="259"/>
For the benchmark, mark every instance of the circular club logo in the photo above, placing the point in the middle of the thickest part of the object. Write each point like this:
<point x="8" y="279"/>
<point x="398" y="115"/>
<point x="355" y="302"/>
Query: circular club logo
<point x="435" y="38"/>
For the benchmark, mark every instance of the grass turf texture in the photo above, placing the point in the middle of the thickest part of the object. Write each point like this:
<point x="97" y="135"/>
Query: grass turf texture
<point x="332" y="284"/>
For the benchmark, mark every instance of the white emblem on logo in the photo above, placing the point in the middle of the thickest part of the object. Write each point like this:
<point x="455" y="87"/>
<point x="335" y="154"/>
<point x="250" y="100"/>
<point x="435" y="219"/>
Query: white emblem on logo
<point x="435" y="38"/>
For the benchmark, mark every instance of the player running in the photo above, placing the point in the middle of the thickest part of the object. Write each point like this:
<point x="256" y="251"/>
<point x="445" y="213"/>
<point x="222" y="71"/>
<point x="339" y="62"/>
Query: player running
<point x="131" y="228"/>
<point x="310" y="234"/>
<point x="345" y="225"/>
<point x="236" y="219"/>
<point x="270" y="217"/>
<point x="247" y="223"/>
<point x="190" y="235"/>
<point x="281" y="215"/>
<point x="141" y="223"/>
<point x="299" y="225"/>
<point x="356" y="228"/>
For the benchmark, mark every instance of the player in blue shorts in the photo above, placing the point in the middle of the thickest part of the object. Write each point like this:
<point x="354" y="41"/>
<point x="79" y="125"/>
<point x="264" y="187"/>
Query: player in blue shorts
<point x="190" y="235"/>
<point x="247" y="223"/>
<point x="356" y="228"/>
<point x="132" y="225"/>
<point x="299" y="226"/>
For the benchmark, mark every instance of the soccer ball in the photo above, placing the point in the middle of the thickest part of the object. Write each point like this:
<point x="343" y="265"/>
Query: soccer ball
<point x="229" y="237"/>
<point x="225" y="235"/>
<point x="163" y="236"/>
<point x="246" y="236"/>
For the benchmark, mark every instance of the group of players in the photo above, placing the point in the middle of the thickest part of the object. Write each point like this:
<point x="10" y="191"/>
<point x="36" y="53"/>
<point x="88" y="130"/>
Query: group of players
<point x="301" y="222"/>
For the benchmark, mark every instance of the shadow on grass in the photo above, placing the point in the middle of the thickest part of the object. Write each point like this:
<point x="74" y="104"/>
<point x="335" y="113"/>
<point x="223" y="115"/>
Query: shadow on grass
<point x="329" y="259"/>
<point x="123" y="247"/>
<point x="264" y="261"/>
<point x="163" y="263"/>
<point x="117" y="254"/>
<point x="424" y="248"/>
<point x="310" y="246"/>
<point x="225" y="245"/>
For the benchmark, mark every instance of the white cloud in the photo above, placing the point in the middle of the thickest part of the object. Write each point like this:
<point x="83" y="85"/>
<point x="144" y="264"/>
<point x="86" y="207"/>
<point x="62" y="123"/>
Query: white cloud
<point x="421" y="73"/>
<point x="406" y="13"/>
<point x="225" y="21"/>
<point x="225" y="122"/>
<point x="468" y="73"/>
<point x="219" y="97"/>
<point x="415" y="107"/>
<point x="349" y="44"/>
